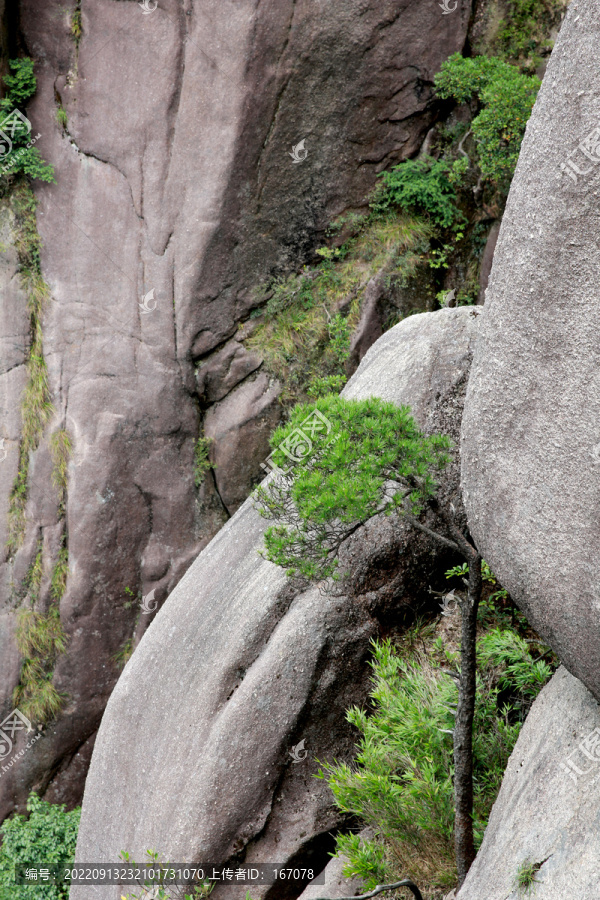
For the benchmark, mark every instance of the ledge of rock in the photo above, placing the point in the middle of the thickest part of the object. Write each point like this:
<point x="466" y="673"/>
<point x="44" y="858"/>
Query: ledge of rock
<point x="239" y="666"/>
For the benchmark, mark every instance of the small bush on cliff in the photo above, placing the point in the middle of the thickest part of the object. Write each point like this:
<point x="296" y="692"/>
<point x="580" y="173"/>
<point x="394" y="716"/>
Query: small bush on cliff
<point x="401" y="780"/>
<point x="20" y="155"/>
<point x="47" y="835"/>
<point x="504" y="98"/>
<point x="421" y="186"/>
<point x="353" y="460"/>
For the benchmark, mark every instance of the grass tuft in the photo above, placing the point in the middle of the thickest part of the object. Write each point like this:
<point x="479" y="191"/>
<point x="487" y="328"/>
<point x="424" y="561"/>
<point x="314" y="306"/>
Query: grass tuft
<point x="40" y="640"/>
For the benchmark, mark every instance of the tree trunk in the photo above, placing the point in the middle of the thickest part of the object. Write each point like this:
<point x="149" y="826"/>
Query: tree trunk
<point x="463" y="730"/>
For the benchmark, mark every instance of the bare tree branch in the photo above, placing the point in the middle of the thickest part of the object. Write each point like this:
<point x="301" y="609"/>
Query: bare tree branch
<point x="385" y="887"/>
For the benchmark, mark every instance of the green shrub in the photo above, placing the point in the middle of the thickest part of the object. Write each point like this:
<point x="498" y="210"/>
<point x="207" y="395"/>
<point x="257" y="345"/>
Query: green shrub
<point x="47" y="835"/>
<point x="421" y="186"/>
<point x="401" y="781"/>
<point x="505" y="98"/>
<point x="20" y="87"/>
<point x="523" y="35"/>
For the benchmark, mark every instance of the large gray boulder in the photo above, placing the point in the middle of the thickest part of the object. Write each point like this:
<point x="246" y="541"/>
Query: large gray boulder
<point x="193" y="757"/>
<point x="547" y="809"/>
<point x="174" y="175"/>
<point x="531" y="429"/>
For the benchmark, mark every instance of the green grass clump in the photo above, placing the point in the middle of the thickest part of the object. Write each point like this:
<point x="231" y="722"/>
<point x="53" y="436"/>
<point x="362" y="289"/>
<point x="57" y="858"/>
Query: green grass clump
<point x="58" y="583"/>
<point x="304" y="339"/>
<point x="526" y="879"/>
<point x="76" y="24"/>
<point x="40" y="640"/>
<point x="60" y="450"/>
<point x="201" y="459"/>
<point x="401" y="782"/>
<point x="48" y="834"/>
<point x="36" y="404"/>
<point x="421" y="186"/>
<point x="61" y="117"/>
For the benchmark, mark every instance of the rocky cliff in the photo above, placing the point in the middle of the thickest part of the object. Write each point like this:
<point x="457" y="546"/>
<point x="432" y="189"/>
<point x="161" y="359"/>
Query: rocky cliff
<point x="171" y="130"/>
<point x="194" y="752"/>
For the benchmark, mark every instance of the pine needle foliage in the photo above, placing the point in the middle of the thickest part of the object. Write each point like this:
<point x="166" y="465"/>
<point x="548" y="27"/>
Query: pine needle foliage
<point x="374" y="459"/>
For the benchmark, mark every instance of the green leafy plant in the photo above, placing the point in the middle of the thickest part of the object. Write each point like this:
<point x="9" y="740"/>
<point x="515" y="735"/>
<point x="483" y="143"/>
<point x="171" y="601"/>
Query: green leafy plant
<point x="504" y="98"/>
<point x="158" y="890"/>
<point x="48" y="834"/>
<point x="421" y="186"/>
<point x="22" y="157"/>
<point x="523" y="33"/>
<point x="401" y="780"/>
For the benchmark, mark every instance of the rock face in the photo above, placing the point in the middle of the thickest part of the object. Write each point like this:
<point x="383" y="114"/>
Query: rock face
<point x="175" y="184"/>
<point x="531" y="430"/>
<point x="545" y="810"/>
<point x="239" y="666"/>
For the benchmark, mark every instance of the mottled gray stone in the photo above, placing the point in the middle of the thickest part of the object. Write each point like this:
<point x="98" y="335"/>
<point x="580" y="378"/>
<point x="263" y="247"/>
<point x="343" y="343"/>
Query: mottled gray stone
<point x="542" y="814"/>
<point x="531" y="429"/>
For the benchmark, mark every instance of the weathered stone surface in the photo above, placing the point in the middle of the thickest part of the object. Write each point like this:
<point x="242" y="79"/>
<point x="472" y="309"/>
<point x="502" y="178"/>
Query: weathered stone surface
<point x="264" y="665"/>
<point x="224" y="370"/>
<point x="239" y="428"/>
<point x="335" y="884"/>
<point x="486" y="261"/>
<point x="531" y="431"/>
<point x="174" y="175"/>
<point x="542" y="815"/>
<point x="370" y="326"/>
